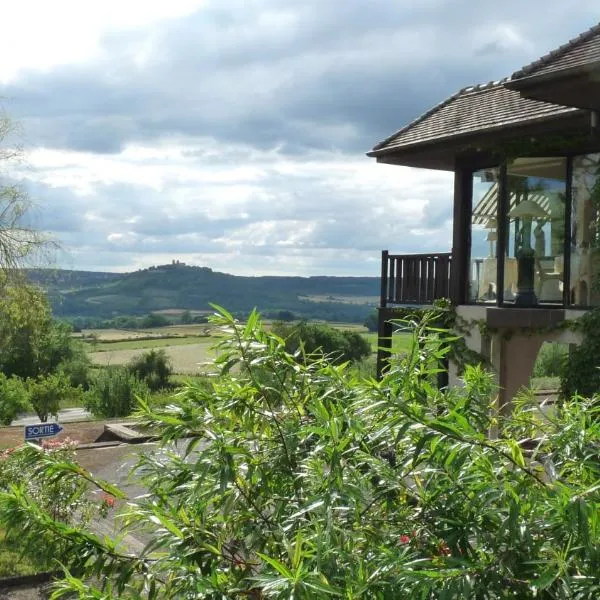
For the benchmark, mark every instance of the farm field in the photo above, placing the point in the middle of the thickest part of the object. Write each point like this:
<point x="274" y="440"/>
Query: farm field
<point x="186" y="358"/>
<point x="115" y="335"/>
<point x="145" y="343"/>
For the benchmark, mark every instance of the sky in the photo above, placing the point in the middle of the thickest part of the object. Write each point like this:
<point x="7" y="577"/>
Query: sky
<point x="232" y="133"/>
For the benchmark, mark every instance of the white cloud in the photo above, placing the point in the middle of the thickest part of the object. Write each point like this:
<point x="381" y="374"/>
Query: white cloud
<point x="38" y="34"/>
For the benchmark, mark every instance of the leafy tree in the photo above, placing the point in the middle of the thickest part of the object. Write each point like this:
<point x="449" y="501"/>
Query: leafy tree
<point x="113" y="393"/>
<point x="153" y="368"/>
<point x="154" y="320"/>
<point x="320" y="485"/>
<point x="46" y="393"/>
<point x="285" y="316"/>
<point x="14" y="398"/>
<point x="31" y="343"/>
<point x="186" y="317"/>
<point x="20" y="245"/>
<point x="372" y="321"/>
<point x="77" y="366"/>
<point x="340" y="345"/>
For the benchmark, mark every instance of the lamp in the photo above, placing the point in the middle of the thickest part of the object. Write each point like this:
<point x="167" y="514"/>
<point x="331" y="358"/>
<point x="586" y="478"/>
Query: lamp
<point x="526" y="211"/>
<point x="492" y="236"/>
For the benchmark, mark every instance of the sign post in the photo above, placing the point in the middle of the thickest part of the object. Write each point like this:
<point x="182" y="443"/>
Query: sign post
<point x="41" y="430"/>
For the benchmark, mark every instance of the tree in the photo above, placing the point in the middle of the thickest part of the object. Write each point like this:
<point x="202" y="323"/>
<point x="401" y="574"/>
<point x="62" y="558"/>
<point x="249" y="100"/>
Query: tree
<point x="153" y="368"/>
<point x="31" y="343"/>
<point x="14" y="398"/>
<point x="317" y="485"/>
<point x="372" y="321"/>
<point x="186" y="317"/>
<point x="338" y="344"/>
<point x="154" y="320"/>
<point x="20" y="245"/>
<point x="46" y="393"/>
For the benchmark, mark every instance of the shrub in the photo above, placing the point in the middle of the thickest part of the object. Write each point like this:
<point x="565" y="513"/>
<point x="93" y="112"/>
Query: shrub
<point x="63" y="499"/>
<point x="337" y="344"/>
<point x="77" y="368"/>
<point x="114" y="392"/>
<point x="331" y="487"/>
<point x="581" y="373"/>
<point x="46" y="393"/>
<point x="551" y="360"/>
<point x="14" y="398"/>
<point x="153" y="368"/>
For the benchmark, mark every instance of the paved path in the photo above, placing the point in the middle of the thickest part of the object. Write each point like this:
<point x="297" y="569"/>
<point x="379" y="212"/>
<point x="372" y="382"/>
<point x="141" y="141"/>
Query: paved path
<point x="65" y="415"/>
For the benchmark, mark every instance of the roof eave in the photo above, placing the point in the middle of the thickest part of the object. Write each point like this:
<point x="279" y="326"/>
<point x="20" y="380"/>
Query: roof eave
<point x="530" y="81"/>
<point x="432" y="143"/>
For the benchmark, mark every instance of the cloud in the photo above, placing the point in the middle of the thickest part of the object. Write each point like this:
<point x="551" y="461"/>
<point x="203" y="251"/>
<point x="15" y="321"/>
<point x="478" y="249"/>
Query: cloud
<point x="234" y="129"/>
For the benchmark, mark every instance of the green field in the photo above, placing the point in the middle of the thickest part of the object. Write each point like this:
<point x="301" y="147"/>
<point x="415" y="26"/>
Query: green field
<point x="145" y="344"/>
<point x="401" y="342"/>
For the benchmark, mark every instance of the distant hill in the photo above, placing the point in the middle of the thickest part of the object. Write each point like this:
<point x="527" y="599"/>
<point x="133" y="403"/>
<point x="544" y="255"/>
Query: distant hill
<point x="178" y="286"/>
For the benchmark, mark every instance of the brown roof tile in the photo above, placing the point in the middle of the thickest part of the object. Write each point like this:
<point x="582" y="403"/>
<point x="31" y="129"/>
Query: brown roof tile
<point x="583" y="49"/>
<point x="472" y="110"/>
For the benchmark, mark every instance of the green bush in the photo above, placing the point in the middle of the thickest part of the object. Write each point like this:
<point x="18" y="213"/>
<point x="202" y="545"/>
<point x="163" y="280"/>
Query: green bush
<point x="14" y="398"/>
<point x="77" y="368"/>
<point x="337" y="344"/>
<point x="46" y="393"/>
<point x="113" y="393"/>
<point x="551" y="360"/>
<point x="153" y="368"/>
<point x="581" y="373"/>
<point x="63" y="499"/>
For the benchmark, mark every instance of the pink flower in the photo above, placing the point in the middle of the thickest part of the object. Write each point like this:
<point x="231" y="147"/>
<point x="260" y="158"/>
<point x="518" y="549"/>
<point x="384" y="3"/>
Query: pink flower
<point x="404" y="539"/>
<point x="107" y="500"/>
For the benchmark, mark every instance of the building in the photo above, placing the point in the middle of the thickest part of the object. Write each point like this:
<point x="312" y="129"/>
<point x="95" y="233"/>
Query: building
<point x="525" y="153"/>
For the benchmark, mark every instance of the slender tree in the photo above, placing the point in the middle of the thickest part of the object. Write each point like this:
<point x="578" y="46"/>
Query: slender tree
<point x="21" y="245"/>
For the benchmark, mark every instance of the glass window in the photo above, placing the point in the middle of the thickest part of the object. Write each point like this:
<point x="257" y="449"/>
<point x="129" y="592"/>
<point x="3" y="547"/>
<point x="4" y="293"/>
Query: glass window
<point x="585" y="231"/>
<point x="535" y="225"/>
<point x="483" y="263"/>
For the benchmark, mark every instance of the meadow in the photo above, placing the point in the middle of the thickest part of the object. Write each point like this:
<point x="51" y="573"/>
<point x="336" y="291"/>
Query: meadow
<point x="189" y="347"/>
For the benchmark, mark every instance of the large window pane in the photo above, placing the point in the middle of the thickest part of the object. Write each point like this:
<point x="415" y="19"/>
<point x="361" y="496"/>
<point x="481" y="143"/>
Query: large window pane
<point x="585" y="231"/>
<point x="482" y="281"/>
<point x="535" y="224"/>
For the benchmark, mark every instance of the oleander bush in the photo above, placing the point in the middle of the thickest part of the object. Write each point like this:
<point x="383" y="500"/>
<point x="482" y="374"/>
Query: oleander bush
<point x="288" y="479"/>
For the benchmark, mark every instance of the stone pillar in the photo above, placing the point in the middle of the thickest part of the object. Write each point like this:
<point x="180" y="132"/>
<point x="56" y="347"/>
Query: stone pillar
<point x="513" y="360"/>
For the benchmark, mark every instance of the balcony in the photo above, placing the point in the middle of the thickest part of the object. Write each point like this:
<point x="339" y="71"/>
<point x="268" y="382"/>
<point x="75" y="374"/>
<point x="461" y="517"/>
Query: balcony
<point x="415" y="279"/>
<point x="409" y="279"/>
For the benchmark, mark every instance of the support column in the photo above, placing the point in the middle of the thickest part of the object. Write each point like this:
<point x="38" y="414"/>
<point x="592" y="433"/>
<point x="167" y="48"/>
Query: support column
<point x="513" y="360"/>
<point x="461" y="235"/>
<point x="384" y="341"/>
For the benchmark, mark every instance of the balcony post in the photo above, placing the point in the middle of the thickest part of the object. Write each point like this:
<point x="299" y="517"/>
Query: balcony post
<point x="384" y="278"/>
<point x="461" y="235"/>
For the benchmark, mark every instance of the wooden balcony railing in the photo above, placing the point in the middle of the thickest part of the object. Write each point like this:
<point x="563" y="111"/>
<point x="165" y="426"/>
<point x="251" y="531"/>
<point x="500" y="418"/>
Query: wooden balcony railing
<point x="414" y="278"/>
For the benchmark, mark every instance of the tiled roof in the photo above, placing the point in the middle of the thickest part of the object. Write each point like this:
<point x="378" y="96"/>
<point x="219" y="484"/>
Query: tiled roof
<point x="472" y="110"/>
<point x="583" y="49"/>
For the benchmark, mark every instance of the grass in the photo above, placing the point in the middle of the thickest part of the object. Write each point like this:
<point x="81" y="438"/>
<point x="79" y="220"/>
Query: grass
<point x="13" y="563"/>
<point x="401" y="342"/>
<point x="545" y="383"/>
<point x="107" y="346"/>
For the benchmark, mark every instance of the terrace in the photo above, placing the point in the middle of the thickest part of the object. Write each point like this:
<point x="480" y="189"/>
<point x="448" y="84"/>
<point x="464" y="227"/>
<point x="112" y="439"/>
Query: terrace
<point x="525" y="153"/>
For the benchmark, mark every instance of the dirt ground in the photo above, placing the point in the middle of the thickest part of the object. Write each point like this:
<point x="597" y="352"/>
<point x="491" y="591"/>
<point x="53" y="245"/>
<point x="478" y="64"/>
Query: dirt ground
<point x="84" y="432"/>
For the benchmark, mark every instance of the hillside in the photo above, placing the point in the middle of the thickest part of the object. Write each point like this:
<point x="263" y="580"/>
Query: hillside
<point x="92" y="294"/>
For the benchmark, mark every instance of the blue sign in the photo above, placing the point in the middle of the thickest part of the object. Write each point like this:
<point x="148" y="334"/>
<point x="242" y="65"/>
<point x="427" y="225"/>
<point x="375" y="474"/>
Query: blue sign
<point x="42" y="430"/>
